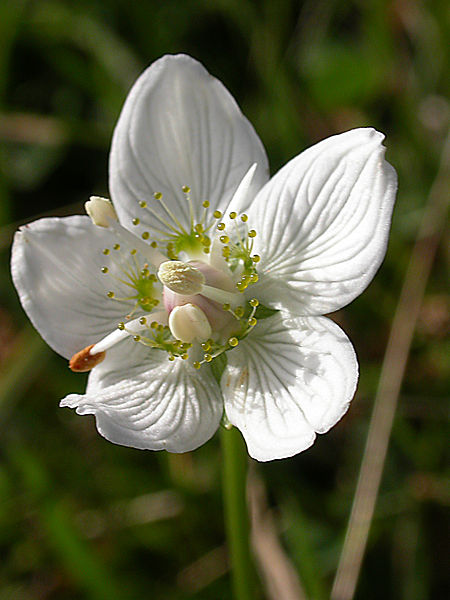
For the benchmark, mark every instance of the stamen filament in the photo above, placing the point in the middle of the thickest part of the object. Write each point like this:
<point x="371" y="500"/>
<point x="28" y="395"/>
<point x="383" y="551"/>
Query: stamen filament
<point x="172" y="216"/>
<point x="131" y="328"/>
<point x="152" y="255"/>
<point x="219" y="295"/>
<point x="162" y="220"/>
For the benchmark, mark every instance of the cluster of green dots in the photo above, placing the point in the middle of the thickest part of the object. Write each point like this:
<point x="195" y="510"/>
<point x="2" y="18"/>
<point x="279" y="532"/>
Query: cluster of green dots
<point x="158" y="336"/>
<point x="177" y="238"/>
<point x="245" y="315"/>
<point x="236" y="248"/>
<point x="138" y="278"/>
<point x="239" y="250"/>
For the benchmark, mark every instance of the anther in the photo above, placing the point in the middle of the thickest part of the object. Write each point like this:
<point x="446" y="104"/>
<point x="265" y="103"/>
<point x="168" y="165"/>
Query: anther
<point x="84" y="361"/>
<point x="256" y="258"/>
<point x="254" y="302"/>
<point x="221" y="226"/>
<point x="104" y="270"/>
<point x="252" y="233"/>
<point x="217" y="214"/>
<point x="110" y="294"/>
<point x="143" y="204"/>
<point x="233" y="342"/>
<point x="186" y="189"/>
<point x="145" y="235"/>
<point x="189" y="323"/>
<point x="205" y="204"/>
<point x="244" y="218"/>
<point x="106" y="251"/>
<point x="181" y="277"/>
<point x="101" y="211"/>
<point x="157" y="195"/>
<point x="233" y="215"/>
<point x="136" y="221"/>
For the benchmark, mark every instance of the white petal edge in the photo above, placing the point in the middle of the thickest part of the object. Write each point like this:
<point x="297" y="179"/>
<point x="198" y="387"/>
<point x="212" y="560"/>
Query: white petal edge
<point x="290" y="379"/>
<point x="56" y="268"/>
<point x="323" y="223"/>
<point x="180" y="126"/>
<point x="143" y="401"/>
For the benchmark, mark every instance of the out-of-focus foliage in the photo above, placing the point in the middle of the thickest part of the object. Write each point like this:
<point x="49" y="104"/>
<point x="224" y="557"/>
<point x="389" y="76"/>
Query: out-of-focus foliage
<point x="82" y="518"/>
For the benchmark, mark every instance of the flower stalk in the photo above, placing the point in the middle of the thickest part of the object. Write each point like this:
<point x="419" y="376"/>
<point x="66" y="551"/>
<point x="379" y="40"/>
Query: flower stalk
<point x="234" y="476"/>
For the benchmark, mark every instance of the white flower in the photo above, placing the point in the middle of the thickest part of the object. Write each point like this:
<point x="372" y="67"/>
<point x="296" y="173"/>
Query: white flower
<point x="254" y="263"/>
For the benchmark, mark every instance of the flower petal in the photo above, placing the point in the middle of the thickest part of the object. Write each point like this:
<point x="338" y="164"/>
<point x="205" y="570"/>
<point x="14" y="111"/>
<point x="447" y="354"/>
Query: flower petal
<point x="142" y="400"/>
<point x="56" y="268"/>
<point x="180" y="126"/>
<point x="323" y="223"/>
<point x="288" y="380"/>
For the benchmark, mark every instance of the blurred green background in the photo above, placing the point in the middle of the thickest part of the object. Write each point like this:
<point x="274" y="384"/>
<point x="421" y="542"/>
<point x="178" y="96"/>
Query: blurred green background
<point x="82" y="518"/>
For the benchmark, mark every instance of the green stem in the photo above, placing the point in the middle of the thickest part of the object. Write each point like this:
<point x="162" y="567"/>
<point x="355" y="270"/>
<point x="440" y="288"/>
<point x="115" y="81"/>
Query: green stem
<point x="236" y="513"/>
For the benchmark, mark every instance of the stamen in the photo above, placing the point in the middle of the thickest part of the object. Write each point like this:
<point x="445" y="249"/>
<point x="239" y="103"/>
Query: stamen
<point x="189" y="323"/>
<point x="181" y="277"/>
<point x="101" y="211"/>
<point x="84" y="361"/>
<point x="158" y="196"/>
<point x="219" y="295"/>
<point x="153" y="256"/>
<point x="186" y="190"/>
<point x="123" y="331"/>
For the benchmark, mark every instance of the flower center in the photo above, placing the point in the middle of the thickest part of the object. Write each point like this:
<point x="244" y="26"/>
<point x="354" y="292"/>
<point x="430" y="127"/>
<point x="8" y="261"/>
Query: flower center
<point x="192" y="307"/>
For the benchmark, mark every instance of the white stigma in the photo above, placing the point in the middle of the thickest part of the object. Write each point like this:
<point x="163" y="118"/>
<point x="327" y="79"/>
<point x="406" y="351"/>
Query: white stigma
<point x="181" y="278"/>
<point x="189" y="323"/>
<point x="101" y="211"/>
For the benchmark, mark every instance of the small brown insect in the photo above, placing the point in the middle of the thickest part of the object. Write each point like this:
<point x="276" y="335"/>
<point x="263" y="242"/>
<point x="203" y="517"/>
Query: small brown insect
<point x="82" y="361"/>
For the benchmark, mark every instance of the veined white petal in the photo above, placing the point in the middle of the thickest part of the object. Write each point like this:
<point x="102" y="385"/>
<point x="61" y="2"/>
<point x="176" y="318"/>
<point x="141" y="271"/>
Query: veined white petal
<point x="286" y="381"/>
<point x="142" y="400"/>
<point x="323" y="223"/>
<point x="180" y="127"/>
<point x="56" y="267"/>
